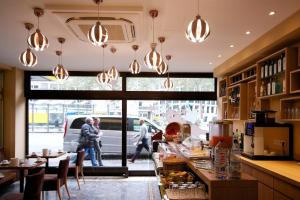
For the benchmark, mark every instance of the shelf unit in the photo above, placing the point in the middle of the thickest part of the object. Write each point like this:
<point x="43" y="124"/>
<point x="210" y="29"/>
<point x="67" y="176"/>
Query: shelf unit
<point x="247" y="74"/>
<point x="223" y="84"/>
<point x="295" y="81"/>
<point x="282" y="76"/>
<point x="237" y="111"/>
<point x="290" y="109"/>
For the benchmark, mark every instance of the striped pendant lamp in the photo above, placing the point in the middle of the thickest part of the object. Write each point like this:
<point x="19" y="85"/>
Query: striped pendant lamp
<point x="28" y="59"/>
<point x="134" y="67"/>
<point x="97" y="34"/>
<point x="153" y="59"/>
<point x="197" y="30"/>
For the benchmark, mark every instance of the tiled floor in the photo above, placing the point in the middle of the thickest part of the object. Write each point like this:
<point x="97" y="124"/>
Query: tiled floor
<point x="105" y="188"/>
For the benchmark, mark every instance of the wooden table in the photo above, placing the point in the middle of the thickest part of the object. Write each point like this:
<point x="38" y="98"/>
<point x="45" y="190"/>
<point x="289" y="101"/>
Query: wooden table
<point x="22" y="168"/>
<point x="47" y="157"/>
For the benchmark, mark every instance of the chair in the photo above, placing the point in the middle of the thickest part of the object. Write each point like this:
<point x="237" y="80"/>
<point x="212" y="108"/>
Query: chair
<point x="33" y="188"/>
<point x="56" y="181"/>
<point x="10" y="176"/>
<point x="78" y="166"/>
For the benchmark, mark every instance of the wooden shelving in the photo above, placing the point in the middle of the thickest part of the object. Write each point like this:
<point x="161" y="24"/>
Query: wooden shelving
<point x="290" y="109"/>
<point x="260" y="85"/>
<point x="295" y="81"/>
<point x="273" y="73"/>
<point x="237" y="102"/>
<point x="223" y="84"/>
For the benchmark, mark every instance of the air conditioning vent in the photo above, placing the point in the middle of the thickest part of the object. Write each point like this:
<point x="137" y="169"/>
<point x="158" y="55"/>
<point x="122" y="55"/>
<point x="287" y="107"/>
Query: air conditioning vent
<point x="123" y="23"/>
<point x="119" y="30"/>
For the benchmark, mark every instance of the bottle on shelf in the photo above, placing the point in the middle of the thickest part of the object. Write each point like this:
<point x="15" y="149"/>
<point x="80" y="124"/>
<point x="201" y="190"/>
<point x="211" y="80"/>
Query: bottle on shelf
<point x="275" y="70"/>
<point x="221" y="159"/>
<point x="273" y="85"/>
<point x="262" y="72"/>
<point x="283" y="60"/>
<point x="266" y="70"/>
<point x="271" y="68"/>
<point x="279" y="66"/>
<point x="269" y="88"/>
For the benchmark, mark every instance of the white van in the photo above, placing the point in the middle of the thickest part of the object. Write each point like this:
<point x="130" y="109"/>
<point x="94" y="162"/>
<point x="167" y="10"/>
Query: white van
<point x="111" y="126"/>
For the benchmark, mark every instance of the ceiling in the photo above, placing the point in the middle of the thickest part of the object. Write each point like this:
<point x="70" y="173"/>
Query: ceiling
<point x="228" y="20"/>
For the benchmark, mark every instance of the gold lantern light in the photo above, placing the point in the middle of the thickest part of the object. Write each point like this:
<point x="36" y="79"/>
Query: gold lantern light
<point x="198" y="29"/>
<point x="98" y="34"/>
<point x="37" y="40"/>
<point x="134" y="67"/>
<point x="113" y="73"/>
<point x="163" y="67"/>
<point x="153" y="59"/>
<point x="59" y="71"/>
<point x="168" y="83"/>
<point x="27" y="57"/>
<point x="103" y="77"/>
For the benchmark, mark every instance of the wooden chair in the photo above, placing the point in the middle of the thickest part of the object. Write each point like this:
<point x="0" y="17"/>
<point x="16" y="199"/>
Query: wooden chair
<point x="33" y="188"/>
<point x="56" y="181"/>
<point x="78" y="166"/>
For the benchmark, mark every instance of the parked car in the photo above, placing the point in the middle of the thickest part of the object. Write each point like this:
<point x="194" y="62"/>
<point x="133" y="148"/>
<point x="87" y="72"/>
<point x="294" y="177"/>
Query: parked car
<point x="111" y="126"/>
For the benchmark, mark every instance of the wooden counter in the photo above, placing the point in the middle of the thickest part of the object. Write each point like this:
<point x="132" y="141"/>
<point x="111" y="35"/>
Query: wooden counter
<point x="288" y="171"/>
<point x="277" y="180"/>
<point x="244" y="188"/>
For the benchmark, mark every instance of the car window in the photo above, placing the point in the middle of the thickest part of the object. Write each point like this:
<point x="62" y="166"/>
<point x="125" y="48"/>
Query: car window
<point x="77" y="123"/>
<point x="111" y="124"/>
<point x="136" y="125"/>
<point x="150" y="127"/>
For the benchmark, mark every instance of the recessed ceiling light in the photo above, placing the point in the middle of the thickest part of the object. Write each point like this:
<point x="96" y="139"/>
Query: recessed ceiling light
<point x="210" y="63"/>
<point x="248" y="32"/>
<point x="219" y="56"/>
<point x="271" y="13"/>
<point x="231" y="46"/>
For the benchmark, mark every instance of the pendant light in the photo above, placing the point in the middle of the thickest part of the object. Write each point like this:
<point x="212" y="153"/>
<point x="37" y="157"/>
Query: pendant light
<point x="28" y="58"/>
<point x="37" y="40"/>
<point x="103" y="77"/>
<point x="98" y="34"/>
<point x="163" y="67"/>
<point x="198" y="29"/>
<point x="134" y="67"/>
<point x="168" y="83"/>
<point x="153" y="59"/>
<point x="113" y="72"/>
<point x="59" y="71"/>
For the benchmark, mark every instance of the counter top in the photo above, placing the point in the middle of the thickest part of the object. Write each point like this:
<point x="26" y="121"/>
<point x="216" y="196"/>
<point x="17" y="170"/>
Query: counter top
<point x="288" y="171"/>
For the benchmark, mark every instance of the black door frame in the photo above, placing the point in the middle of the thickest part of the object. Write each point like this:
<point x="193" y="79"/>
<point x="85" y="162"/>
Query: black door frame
<point x="122" y="95"/>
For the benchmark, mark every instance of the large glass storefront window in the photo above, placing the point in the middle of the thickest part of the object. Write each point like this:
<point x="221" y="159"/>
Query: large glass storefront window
<point x="56" y="125"/>
<point x="55" y="122"/>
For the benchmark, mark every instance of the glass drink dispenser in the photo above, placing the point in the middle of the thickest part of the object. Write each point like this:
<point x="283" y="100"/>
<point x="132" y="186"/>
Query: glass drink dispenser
<point x="220" y="129"/>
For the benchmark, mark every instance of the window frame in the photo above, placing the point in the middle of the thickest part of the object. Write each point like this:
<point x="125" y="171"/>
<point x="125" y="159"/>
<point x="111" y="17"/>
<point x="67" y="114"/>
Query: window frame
<point x="122" y="95"/>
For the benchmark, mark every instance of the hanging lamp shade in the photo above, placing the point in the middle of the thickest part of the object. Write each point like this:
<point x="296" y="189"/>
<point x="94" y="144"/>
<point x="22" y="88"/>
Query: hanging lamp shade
<point x="113" y="73"/>
<point x="28" y="58"/>
<point x="162" y="68"/>
<point x="153" y="59"/>
<point x="168" y="83"/>
<point x="103" y="78"/>
<point x="197" y="30"/>
<point x="97" y="34"/>
<point x="134" y="67"/>
<point x="37" y="40"/>
<point x="60" y="72"/>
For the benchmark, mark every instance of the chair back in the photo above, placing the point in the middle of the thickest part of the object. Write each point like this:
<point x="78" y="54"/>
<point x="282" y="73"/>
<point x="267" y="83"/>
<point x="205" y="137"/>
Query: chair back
<point x="34" y="185"/>
<point x="63" y="168"/>
<point x="80" y="158"/>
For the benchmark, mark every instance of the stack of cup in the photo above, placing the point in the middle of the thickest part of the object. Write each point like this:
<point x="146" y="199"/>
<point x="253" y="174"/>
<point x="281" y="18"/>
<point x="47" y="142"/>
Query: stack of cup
<point x="45" y="152"/>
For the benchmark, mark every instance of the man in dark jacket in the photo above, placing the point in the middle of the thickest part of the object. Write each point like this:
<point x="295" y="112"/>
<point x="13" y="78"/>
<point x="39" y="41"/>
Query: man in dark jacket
<point x="87" y="139"/>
